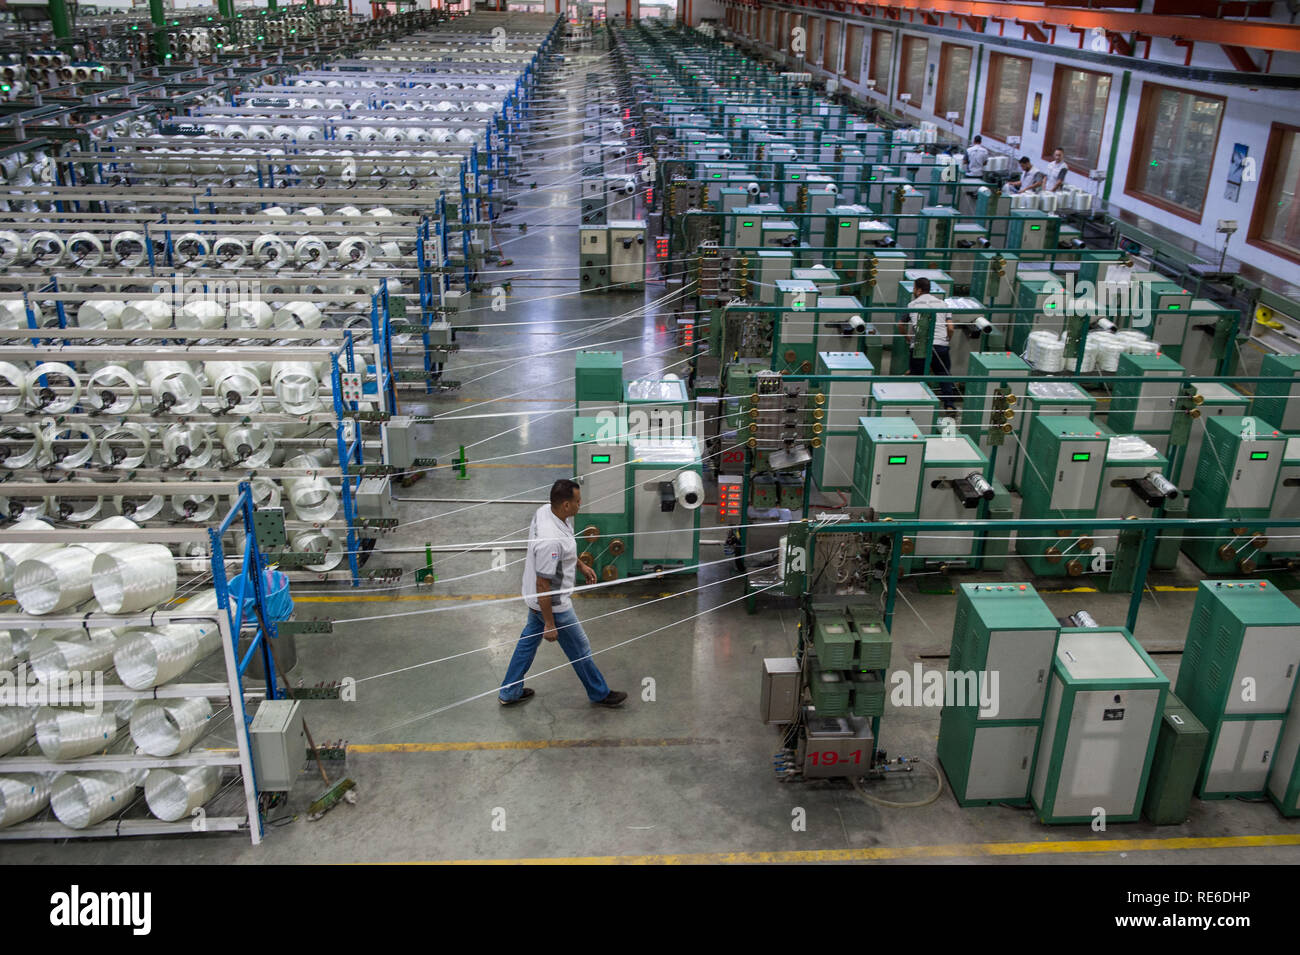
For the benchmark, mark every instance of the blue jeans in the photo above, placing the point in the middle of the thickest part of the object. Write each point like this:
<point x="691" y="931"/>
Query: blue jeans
<point x="571" y="639"/>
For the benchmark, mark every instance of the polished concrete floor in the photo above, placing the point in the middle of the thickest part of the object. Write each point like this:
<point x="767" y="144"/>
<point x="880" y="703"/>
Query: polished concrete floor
<point x="678" y="774"/>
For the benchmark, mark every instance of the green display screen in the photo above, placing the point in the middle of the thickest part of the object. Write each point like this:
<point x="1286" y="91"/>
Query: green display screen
<point x="795" y="176"/>
<point x="1259" y="455"/>
<point x="1081" y="456"/>
<point x="845" y="225"/>
<point x="600" y="459"/>
<point x="1174" y="308"/>
<point x="898" y="459"/>
<point x="1034" y="228"/>
<point x="717" y="175"/>
<point x="747" y="225"/>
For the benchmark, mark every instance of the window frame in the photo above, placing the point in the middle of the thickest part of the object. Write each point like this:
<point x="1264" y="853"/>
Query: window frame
<point x="1054" y="116"/>
<point x="1140" y="153"/>
<point x="873" y="56"/>
<point x="904" y="56"/>
<point x="941" y="83"/>
<point x="992" y="84"/>
<point x="853" y="75"/>
<point x="1263" y="196"/>
<point x="831" y="57"/>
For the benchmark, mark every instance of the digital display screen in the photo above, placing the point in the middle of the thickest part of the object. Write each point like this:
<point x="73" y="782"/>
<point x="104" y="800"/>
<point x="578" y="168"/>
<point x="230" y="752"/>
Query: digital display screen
<point x="600" y="459"/>
<point x="1034" y="228"/>
<point x="747" y="225"/>
<point x="795" y="176"/>
<point x="717" y="175"/>
<point x="845" y="225"/>
<point x="1174" y="308"/>
<point x="1259" y="455"/>
<point x="1081" y="456"/>
<point x="898" y="459"/>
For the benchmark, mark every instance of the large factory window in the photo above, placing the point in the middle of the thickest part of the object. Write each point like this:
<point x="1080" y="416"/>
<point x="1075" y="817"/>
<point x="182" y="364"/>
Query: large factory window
<point x="911" y="68"/>
<point x="1173" y="149"/>
<point x="1275" y="225"/>
<point x="1077" y="117"/>
<point x="815" y="39"/>
<point x="1005" y="96"/>
<point x="954" y="78"/>
<point x="882" y="49"/>
<point x="831" y="48"/>
<point x="853" y="54"/>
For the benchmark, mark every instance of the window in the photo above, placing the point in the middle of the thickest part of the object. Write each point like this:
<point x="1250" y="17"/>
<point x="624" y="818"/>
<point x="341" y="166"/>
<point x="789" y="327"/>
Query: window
<point x="882" y="49"/>
<point x="1275" y="225"/>
<point x="1005" y="96"/>
<point x="831" y="48"/>
<point x="814" y="39"/>
<point x="1173" y="149"/>
<point x="954" y="78"/>
<point x="911" y="68"/>
<point x="794" y="23"/>
<point x="853" y="54"/>
<point x="1077" y="117"/>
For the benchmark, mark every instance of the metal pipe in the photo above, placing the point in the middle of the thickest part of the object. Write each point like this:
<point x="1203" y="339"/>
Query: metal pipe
<point x="59" y="19"/>
<point x="159" y="17"/>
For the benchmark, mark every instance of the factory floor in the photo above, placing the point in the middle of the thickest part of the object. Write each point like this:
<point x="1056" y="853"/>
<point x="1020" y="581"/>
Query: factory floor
<point x="683" y="773"/>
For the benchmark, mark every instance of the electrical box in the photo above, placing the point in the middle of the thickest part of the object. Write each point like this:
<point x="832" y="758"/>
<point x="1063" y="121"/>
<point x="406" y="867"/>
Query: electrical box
<point x="887" y="466"/>
<point x="1238" y="676"/>
<point x="374" y="497"/>
<point x="1146" y="406"/>
<point x="407" y="443"/>
<point x="593" y="258"/>
<point x="954" y="479"/>
<point x="598" y="382"/>
<point x="1282" y="543"/>
<point x="665" y="493"/>
<point x="904" y="399"/>
<point x="1217" y="401"/>
<point x="988" y="736"/>
<point x="1180" y="747"/>
<point x="1099" y="731"/>
<point x="1278" y="403"/>
<point x="779" y="701"/>
<point x="846" y="402"/>
<point x="1209" y="330"/>
<point x="1032" y="230"/>
<point x="627" y="254"/>
<point x="774" y="266"/>
<point x="990" y="371"/>
<point x="836" y="747"/>
<point x="1045" y="398"/>
<point x="1062" y="480"/>
<point x="599" y="460"/>
<point x="278" y="744"/>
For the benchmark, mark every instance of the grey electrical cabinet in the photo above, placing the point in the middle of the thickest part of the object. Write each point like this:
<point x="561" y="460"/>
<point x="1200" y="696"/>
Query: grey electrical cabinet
<point x="278" y="743"/>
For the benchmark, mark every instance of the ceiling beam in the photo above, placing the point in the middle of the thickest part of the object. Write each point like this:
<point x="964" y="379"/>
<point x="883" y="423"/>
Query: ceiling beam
<point x="1240" y="59"/>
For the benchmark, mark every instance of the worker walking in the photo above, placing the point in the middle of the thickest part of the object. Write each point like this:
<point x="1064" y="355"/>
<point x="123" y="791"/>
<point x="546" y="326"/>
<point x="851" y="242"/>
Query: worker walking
<point x="939" y="355"/>
<point x="977" y="154"/>
<point x="550" y="568"/>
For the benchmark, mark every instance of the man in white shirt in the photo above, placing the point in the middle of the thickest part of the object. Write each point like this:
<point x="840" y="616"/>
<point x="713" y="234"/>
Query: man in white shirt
<point x="550" y="568"/>
<point x="1056" y="170"/>
<point x="1031" y="179"/>
<point x="943" y="330"/>
<point x="977" y="154"/>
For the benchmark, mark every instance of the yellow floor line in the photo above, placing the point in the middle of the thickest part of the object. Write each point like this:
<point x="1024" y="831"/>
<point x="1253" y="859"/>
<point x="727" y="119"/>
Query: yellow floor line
<point x="344" y="599"/>
<point x="953" y="850"/>
<point x="516" y="744"/>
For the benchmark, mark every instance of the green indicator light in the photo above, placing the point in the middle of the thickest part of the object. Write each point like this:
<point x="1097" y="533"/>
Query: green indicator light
<point x="845" y="225"/>
<point x="1175" y="307"/>
<point x="1034" y="228"/>
<point x="898" y="459"/>
<point x="600" y="459"/>
<point x="747" y="225"/>
<point x="4" y="88"/>
<point x="717" y="175"/>
<point x="1081" y="456"/>
<point x="1050" y="305"/>
<point x="795" y="176"/>
<point x="1259" y="455"/>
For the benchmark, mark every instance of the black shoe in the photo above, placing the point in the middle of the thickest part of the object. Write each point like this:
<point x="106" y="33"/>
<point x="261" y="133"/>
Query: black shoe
<point x="524" y="697"/>
<point x="615" y="698"/>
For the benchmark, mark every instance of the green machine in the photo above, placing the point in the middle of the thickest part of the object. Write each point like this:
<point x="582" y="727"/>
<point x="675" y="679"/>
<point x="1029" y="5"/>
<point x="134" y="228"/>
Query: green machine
<point x="1104" y="265"/>
<point x="598" y="382"/>
<point x="993" y="207"/>
<point x="994" y="398"/>
<point x="1136" y="485"/>
<point x="1099" y="730"/>
<point x="954" y="481"/>
<point x="1146" y="407"/>
<point x="657" y="408"/>
<point x="1236" y="479"/>
<point x="665" y="491"/>
<point x="841" y="231"/>
<point x="827" y="280"/>
<point x="1282" y="543"/>
<point x="1217" y="401"/>
<point x="1040" y="292"/>
<point x="1210" y="330"/>
<point x="905" y="399"/>
<point x="941" y="286"/>
<point x="773" y="265"/>
<point x="796" y="330"/>
<point x="850" y="654"/>
<point x="1169" y="304"/>
<point x="1284" y="776"/>
<point x="600" y="466"/>
<point x="936" y="236"/>
<point x="1180" y="748"/>
<point x="1044" y="399"/>
<point x="887" y="466"/>
<point x="1062" y="480"/>
<point x="1001" y="632"/>
<point x="846" y="402"/>
<point x="1278" y="402"/>
<point x="1032" y="231"/>
<point x="1238" y="676"/>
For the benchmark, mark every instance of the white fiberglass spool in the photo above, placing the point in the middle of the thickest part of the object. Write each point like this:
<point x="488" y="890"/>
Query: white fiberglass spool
<point x="60" y="392"/>
<point x="133" y="578"/>
<point x="164" y="728"/>
<point x="235" y="384"/>
<point x="69" y="445"/>
<point x="174" y="384"/>
<point x="187" y="446"/>
<point x="83" y="799"/>
<point x="249" y="445"/>
<point x="354" y="252"/>
<point x="282" y="133"/>
<point x="44" y="250"/>
<point x="23" y="447"/>
<point x="259" y="132"/>
<point x="11" y="555"/>
<point x="13" y="387"/>
<point x="151" y="313"/>
<point x="85" y="250"/>
<point x="271" y="252"/>
<point x="307" y="134"/>
<point x="194" y="508"/>
<point x="22" y="795"/>
<point x="147" y="658"/>
<point x="1108" y="351"/>
<point x="266" y="493"/>
<point x="17" y="724"/>
<point x="234" y="131"/>
<point x="311" y="253"/>
<point x="369" y="134"/>
<point x="348" y="211"/>
<point x="108" y="524"/>
<point x="112" y="389"/>
<point x="201" y="315"/>
<point x="130" y="249"/>
<point x="53" y="582"/>
<point x="125" y="445"/>
<point x="54" y="654"/>
<point x="299" y="315"/>
<point x="230" y="252"/>
<point x="105" y="313"/>
<point x="13" y="314"/>
<point x="246" y="314"/>
<point x="140" y="507"/>
<point x="191" y="250"/>
<point x="68" y="734"/>
<point x="74" y="509"/>
<point x="11" y="248"/>
<point x="322" y="542"/>
<point x="296" y="386"/>
<point x="176" y="794"/>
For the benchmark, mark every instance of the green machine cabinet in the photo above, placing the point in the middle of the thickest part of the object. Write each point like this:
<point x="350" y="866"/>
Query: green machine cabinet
<point x="990" y="370"/>
<point x="1039" y="296"/>
<point x="1236" y="479"/>
<point x="1217" y="401"/>
<point x="948" y="494"/>
<point x="846" y="401"/>
<point x="1062" y="480"/>
<point x="600" y="464"/>
<point x="1238" y="676"/>
<point x="1100" y="729"/>
<point x="1001" y="631"/>
<point x="905" y="399"/>
<point x="1278" y="402"/>
<point x="795" y="339"/>
<point x="887" y="466"/>
<point x="665" y="497"/>
<point x="1145" y="407"/>
<point x="1180" y="747"/>
<point x="995" y="546"/>
<point x="1284" y="775"/>
<point x="598" y="381"/>
<point x="1045" y="398"/>
<point x="993" y="280"/>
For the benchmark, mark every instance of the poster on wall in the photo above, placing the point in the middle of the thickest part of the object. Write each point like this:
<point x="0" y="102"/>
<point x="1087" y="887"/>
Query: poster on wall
<point x="1235" y="170"/>
<point x="1038" y="108"/>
